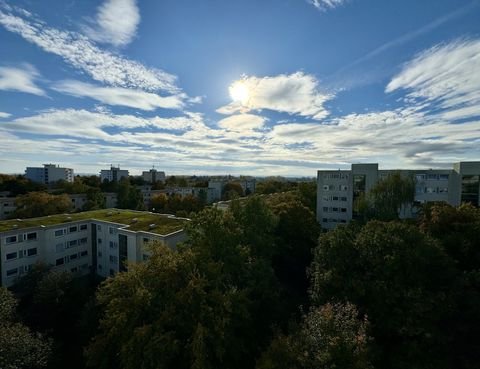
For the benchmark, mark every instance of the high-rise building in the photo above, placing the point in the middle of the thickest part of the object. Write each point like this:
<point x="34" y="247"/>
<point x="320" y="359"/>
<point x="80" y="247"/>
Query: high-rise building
<point x="114" y="174"/>
<point x="153" y="176"/>
<point x="338" y="190"/>
<point x="50" y="173"/>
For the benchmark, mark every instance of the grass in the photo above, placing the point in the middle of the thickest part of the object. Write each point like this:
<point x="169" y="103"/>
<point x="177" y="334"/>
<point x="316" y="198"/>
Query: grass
<point x="136" y="220"/>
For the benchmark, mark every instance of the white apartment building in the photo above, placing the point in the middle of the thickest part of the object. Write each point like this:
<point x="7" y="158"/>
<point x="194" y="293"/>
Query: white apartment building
<point x="153" y="176"/>
<point x="114" y="174"/>
<point x="337" y="190"/>
<point x="50" y="173"/>
<point x="7" y="206"/>
<point x="100" y="241"/>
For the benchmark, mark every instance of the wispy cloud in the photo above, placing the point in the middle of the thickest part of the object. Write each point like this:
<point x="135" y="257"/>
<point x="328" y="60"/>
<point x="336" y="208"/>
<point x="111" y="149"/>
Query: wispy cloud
<point x="295" y="93"/>
<point x="120" y="96"/>
<point x="115" y="23"/>
<point x="81" y="53"/>
<point x="20" y="79"/>
<point x="324" y="5"/>
<point x="446" y="77"/>
<point x="5" y="115"/>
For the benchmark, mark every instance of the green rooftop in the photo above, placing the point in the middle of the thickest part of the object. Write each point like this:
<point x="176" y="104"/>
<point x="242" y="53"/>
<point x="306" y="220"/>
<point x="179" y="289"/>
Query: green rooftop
<point x="136" y="220"/>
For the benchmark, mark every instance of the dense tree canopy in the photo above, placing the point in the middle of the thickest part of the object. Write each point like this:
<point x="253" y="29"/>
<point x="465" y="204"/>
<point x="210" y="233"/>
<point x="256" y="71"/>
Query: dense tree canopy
<point x="39" y="204"/>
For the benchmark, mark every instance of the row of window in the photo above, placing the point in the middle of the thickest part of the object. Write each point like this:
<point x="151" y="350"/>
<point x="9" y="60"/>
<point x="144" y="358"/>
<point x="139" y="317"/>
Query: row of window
<point x="32" y="236"/>
<point x="335" y="188"/>
<point x="335" y="176"/>
<point x="20" y="254"/>
<point x="61" y="246"/>
<point x="72" y="229"/>
<point x="81" y="267"/>
<point x="72" y="257"/>
<point x="20" y="270"/>
<point x="419" y="190"/>
<point x="334" y="198"/>
<point x="431" y="177"/>
<point x="333" y="220"/>
<point x="332" y="209"/>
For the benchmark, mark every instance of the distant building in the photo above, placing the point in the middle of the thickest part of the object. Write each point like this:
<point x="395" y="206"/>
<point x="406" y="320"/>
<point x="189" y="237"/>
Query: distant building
<point x="99" y="242"/>
<point x="337" y="190"/>
<point x="7" y="205"/>
<point x="153" y="176"/>
<point x="50" y="173"/>
<point x="114" y="174"/>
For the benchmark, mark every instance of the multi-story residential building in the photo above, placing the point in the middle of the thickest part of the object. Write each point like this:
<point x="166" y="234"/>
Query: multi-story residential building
<point x="337" y="190"/>
<point x="7" y="205"/>
<point x="217" y="185"/>
<point x="153" y="176"/>
<point x="99" y="241"/>
<point x="208" y="194"/>
<point x="50" y="173"/>
<point x="114" y="174"/>
<point x="148" y="194"/>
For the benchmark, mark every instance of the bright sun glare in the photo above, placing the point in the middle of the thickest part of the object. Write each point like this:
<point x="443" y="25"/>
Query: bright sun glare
<point x="239" y="92"/>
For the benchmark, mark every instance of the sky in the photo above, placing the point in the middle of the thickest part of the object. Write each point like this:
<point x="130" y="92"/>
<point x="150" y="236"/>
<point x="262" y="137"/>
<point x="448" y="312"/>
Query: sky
<point x="270" y="87"/>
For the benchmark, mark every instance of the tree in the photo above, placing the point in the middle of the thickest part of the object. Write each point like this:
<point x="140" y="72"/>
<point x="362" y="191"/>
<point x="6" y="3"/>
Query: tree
<point x="400" y="278"/>
<point x="39" y="204"/>
<point x="232" y="190"/>
<point x="95" y="200"/>
<point x="19" y="347"/>
<point x="330" y="337"/>
<point x="19" y="185"/>
<point x="387" y="197"/>
<point x="129" y="197"/>
<point x="307" y="194"/>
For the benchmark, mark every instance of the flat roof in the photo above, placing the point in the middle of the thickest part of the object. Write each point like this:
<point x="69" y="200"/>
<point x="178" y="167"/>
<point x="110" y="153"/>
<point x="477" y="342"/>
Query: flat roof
<point x="136" y="220"/>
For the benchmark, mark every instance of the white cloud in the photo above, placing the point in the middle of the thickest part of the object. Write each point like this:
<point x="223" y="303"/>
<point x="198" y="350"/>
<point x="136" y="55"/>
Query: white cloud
<point x="324" y="5"/>
<point x="116" y="22"/>
<point x="20" y="79"/>
<point x="5" y="115"/>
<point x="120" y="96"/>
<point x="242" y="123"/>
<point x="81" y="53"/>
<point x="296" y="93"/>
<point x="446" y="77"/>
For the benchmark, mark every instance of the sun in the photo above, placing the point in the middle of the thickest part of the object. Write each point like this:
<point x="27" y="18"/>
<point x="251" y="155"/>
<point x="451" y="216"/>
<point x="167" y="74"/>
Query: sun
<point x="239" y="92"/>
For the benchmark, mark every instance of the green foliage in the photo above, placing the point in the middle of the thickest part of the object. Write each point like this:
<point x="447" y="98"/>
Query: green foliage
<point x="386" y="198"/>
<point x="129" y="197"/>
<point x="19" y="185"/>
<point x="232" y="190"/>
<point x="95" y="200"/>
<point x="273" y="186"/>
<point x="39" y="204"/>
<point x="399" y="277"/>
<point x="176" y="204"/>
<point x="307" y="194"/>
<point x="19" y="347"/>
<point x="330" y="337"/>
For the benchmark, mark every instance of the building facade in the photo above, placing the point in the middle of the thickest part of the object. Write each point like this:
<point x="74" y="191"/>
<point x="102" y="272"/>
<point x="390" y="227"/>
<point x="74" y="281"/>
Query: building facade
<point x="50" y="173"/>
<point x="114" y="174"/>
<point x="153" y="176"/>
<point x="337" y="190"/>
<point x="81" y="246"/>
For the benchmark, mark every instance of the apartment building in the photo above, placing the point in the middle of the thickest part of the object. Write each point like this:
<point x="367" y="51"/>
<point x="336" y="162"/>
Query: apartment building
<point x="50" y="173"/>
<point x="337" y="190"/>
<point x="153" y="176"/>
<point x="114" y="174"/>
<point x="7" y="205"/>
<point x="100" y="241"/>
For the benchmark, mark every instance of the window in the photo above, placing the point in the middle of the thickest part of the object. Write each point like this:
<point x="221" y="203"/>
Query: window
<point x="442" y="190"/>
<point x="99" y="227"/>
<point x="59" y="261"/>
<point x="325" y="220"/>
<point x="82" y="241"/>
<point x="73" y="256"/>
<point x="325" y="209"/>
<point x="11" y="239"/>
<point x="74" y="270"/>
<point x="145" y="257"/>
<point x="325" y="187"/>
<point x="443" y="177"/>
<point x="335" y="210"/>
<point x="113" y="245"/>
<point x="31" y="236"/>
<point x="343" y="210"/>
<point x="335" y="198"/>
<point x="432" y="177"/>
<point x="343" y="188"/>
<point x="11" y="256"/>
<point x="100" y="254"/>
<point x="430" y="190"/>
<point x="420" y="177"/>
<point x="146" y="240"/>
<point x="419" y="190"/>
<point x="72" y="243"/>
<point x="12" y="272"/>
<point x="324" y="198"/>
<point x="343" y="198"/>
<point x="113" y="259"/>
<point x="99" y="267"/>
<point x="112" y="272"/>
<point x="83" y="227"/>
<point x="111" y="230"/>
<point x="83" y="254"/>
<point x="32" y="252"/>
<point x="59" y="232"/>
<point x="72" y="229"/>
<point x="99" y="240"/>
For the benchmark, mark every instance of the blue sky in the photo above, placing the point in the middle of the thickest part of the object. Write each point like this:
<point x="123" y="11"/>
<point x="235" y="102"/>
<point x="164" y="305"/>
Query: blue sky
<point x="271" y="87"/>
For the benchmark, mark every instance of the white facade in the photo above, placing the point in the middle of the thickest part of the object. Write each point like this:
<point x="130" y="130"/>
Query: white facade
<point x="338" y="189"/>
<point x="114" y="174"/>
<point x="81" y="247"/>
<point x="50" y="173"/>
<point x="7" y="206"/>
